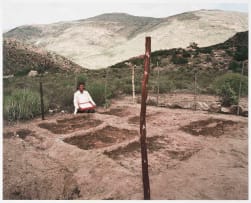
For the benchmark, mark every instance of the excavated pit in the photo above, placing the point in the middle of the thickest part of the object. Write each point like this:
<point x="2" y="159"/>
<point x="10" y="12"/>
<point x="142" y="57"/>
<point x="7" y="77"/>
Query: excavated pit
<point x="102" y="138"/>
<point x="210" y="127"/>
<point x="153" y="144"/>
<point x="182" y="155"/>
<point x="64" y="126"/>
<point x="121" y="112"/>
<point x="23" y="133"/>
<point x="8" y="135"/>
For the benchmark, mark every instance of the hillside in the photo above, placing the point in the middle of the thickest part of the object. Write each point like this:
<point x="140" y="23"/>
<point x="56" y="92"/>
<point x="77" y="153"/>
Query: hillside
<point x="107" y="39"/>
<point x="20" y="58"/>
<point x="222" y="57"/>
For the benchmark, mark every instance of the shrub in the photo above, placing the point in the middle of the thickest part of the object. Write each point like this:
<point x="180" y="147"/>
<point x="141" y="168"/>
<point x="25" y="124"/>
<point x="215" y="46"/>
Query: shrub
<point x="165" y="86"/>
<point x="81" y="78"/>
<point x="234" y="66"/>
<point x="206" y="50"/>
<point x="97" y="92"/>
<point x="227" y="94"/>
<point x="22" y="104"/>
<point x="179" y="59"/>
<point x="234" y="81"/>
<point x="22" y="71"/>
<point x="241" y="53"/>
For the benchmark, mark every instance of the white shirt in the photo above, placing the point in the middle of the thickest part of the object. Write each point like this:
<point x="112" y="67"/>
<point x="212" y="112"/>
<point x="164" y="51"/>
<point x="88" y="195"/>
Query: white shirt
<point x="82" y="100"/>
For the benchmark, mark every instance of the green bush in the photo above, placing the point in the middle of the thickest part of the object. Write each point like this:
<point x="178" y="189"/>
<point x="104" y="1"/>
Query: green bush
<point x="234" y="66"/>
<point x="97" y="92"/>
<point x="179" y="59"/>
<point x="241" y="53"/>
<point x="23" y="71"/>
<point x="165" y="86"/>
<point x="81" y="79"/>
<point x="234" y="81"/>
<point x="206" y="50"/>
<point x="227" y="94"/>
<point x="22" y="104"/>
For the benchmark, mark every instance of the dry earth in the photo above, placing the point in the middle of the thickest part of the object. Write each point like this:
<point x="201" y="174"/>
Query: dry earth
<point x="192" y="155"/>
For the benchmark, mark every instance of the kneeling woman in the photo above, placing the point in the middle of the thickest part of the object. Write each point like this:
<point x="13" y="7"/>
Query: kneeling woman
<point x="83" y="101"/>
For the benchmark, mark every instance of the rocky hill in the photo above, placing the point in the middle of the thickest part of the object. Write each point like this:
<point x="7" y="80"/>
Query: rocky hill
<point x="20" y="59"/>
<point x="222" y="57"/>
<point x="107" y="39"/>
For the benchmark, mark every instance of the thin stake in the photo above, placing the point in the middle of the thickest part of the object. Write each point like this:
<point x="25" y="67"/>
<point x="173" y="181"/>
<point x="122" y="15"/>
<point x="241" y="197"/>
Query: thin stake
<point x="239" y="95"/>
<point x="42" y="100"/>
<point x="144" y="159"/>
<point x="106" y="78"/>
<point x="133" y="84"/>
<point x="158" y="85"/>
<point x="195" y="90"/>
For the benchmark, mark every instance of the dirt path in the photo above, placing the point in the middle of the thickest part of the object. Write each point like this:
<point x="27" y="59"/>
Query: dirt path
<point x="192" y="155"/>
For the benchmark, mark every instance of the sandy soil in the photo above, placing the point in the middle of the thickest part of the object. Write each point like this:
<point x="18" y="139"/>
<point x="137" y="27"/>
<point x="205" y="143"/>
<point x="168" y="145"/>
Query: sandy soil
<point x="192" y="155"/>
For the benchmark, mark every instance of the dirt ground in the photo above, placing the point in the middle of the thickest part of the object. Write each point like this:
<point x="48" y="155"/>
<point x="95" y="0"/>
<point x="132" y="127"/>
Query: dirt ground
<point x="192" y="155"/>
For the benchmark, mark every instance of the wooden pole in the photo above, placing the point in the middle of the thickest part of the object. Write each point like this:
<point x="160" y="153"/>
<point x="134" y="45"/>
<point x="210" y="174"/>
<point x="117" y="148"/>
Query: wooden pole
<point x="145" y="176"/>
<point x="239" y="95"/>
<point x="106" y="78"/>
<point x="195" y="90"/>
<point x="158" y="85"/>
<point x="42" y="100"/>
<point x="133" y="84"/>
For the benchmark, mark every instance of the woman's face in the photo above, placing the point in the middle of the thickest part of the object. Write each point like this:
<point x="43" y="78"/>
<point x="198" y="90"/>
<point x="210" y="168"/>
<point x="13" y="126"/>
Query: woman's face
<point x="81" y="88"/>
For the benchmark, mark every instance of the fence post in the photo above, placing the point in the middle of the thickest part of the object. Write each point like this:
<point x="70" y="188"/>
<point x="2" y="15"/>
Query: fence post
<point x="158" y="84"/>
<point x="106" y="78"/>
<point x="145" y="176"/>
<point x="133" y="84"/>
<point x="239" y="95"/>
<point x="42" y="99"/>
<point x="195" y="89"/>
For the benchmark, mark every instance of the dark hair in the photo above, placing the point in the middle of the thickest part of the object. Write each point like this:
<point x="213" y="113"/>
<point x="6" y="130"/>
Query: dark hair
<point x="80" y="83"/>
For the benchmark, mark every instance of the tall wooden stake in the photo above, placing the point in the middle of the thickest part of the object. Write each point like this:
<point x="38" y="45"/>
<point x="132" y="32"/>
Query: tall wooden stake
<point x="42" y="99"/>
<point x="106" y="78"/>
<point x="158" y="85"/>
<point x="144" y="159"/>
<point x="239" y="95"/>
<point x="195" y="90"/>
<point x="133" y="84"/>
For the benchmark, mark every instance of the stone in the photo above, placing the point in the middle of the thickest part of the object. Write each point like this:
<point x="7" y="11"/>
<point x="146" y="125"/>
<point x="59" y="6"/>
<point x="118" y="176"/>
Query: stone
<point x="225" y="110"/>
<point x="215" y="107"/>
<point x="32" y="73"/>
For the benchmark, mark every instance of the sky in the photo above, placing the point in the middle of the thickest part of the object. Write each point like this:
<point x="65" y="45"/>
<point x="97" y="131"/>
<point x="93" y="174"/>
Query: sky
<point x="22" y="12"/>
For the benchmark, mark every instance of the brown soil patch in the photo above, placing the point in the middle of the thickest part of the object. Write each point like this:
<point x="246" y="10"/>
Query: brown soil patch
<point x="102" y="138"/>
<point x="210" y="127"/>
<point x="116" y="112"/>
<point x="64" y="126"/>
<point x="131" y="148"/>
<point x="182" y="155"/>
<point x="23" y="133"/>
<point x="136" y="119"/>
<point x="8" y="135"/>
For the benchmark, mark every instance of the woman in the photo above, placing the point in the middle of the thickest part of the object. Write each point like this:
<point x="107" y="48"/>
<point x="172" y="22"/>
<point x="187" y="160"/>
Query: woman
<point x="83" y="101"/>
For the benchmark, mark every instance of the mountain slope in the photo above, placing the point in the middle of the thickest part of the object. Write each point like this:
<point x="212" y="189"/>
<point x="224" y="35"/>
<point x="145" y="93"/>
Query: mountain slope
<point x="104" y="40"/>
<point x="20" y="58"/>
<point x="222" y="57"/>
